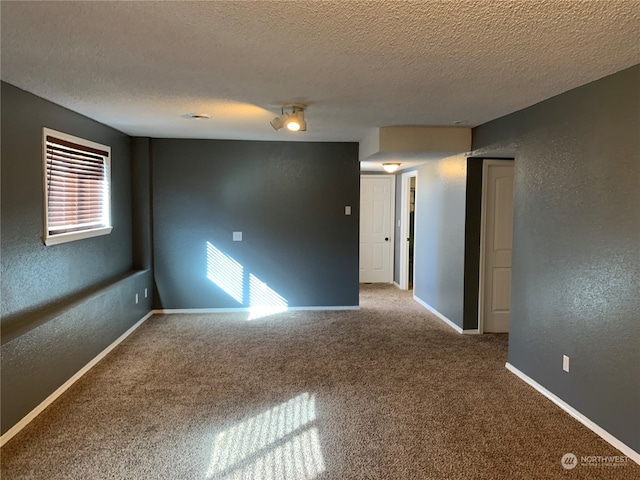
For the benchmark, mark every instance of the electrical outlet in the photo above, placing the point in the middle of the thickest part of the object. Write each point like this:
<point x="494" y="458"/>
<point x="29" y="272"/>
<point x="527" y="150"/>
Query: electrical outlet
<point x="145" y="293"/>
<point x="565" y="363"/>
<point x="136" y="298"/>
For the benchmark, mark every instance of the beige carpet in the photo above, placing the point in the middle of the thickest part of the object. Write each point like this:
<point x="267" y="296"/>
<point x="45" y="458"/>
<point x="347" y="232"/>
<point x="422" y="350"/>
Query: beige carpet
<point x="386" y="392"/>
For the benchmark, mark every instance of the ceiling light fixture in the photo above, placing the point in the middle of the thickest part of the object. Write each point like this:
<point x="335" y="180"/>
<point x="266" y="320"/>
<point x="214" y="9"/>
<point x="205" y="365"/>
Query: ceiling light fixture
<point x="293" y="120"/>
<point x="197" y="116"/>
<point x="390" y="167"/>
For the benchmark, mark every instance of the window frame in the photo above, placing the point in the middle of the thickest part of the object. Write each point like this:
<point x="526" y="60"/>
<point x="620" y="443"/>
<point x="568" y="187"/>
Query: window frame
<point x="58" y="238"/>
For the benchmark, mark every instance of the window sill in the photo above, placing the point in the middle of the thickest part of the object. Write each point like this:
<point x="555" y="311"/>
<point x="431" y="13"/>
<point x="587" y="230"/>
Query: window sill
<point x="72" y="236"/>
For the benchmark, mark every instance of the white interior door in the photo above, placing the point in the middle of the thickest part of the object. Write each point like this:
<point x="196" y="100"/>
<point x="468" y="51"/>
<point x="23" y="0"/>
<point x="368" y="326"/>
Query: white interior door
<point x="376" y="232"/>
<point x="498" y="235"/>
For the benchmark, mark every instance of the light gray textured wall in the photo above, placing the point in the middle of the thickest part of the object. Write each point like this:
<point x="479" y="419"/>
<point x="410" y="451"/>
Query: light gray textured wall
<point x="440" y="236"/>
<point x="576" y="250"/>
<point x="287" y="198"/>
<point x="62" y="304"/>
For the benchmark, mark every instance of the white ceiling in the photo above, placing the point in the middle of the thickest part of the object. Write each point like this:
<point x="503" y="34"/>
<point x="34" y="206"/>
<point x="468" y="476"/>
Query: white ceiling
<point x="140" y="66"/>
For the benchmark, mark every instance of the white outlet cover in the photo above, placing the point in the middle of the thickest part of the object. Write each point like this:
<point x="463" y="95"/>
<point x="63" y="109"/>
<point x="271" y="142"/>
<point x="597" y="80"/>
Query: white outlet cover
<point x="565" y="363"/>
<point x="136" y="298"/>
<point x="347" y="210"/>
<point x="237" y="236"/>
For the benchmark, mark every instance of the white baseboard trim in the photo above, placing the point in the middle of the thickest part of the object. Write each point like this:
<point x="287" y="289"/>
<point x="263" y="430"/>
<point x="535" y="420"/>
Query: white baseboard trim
<point x="438" y="314"/>
<point x="9" y="434"/>
<point x="170" y="311"/>
<point x="470" y="331"/>
<point x="598" y="430"/>
<point x="396" y="284"/>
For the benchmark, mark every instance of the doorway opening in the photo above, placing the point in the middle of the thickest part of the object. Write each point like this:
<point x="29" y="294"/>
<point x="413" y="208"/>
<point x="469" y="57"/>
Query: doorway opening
<point x="496" y="237"/>
<point x="409" y="182"/>
<point x="377" y="204"/>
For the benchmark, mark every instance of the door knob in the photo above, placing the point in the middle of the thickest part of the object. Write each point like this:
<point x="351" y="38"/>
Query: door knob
<point x="386" y="239"/>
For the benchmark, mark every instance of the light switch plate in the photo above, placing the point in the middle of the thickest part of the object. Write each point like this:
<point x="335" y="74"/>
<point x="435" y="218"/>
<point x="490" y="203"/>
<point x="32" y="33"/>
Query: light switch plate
<point x="565" y="363"/>
<point x="237" y="236"/>
<point x="347" y="210"/>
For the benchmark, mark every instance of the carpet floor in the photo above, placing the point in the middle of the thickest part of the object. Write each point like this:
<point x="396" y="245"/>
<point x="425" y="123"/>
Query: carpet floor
<point x="384" y="392"/>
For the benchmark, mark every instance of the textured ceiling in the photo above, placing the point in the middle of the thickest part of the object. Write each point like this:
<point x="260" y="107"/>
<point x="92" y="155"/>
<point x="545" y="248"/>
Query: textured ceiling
<point x="140" y="66"/>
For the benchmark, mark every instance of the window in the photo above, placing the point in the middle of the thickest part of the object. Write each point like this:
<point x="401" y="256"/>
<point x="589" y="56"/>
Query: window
<point x="77" y="197"/>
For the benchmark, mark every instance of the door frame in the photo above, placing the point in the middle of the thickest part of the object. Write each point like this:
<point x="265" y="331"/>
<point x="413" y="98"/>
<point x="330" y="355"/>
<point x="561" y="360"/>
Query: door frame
<point x="486" y="164"/>
<point x="405" y="199"/>
<point x="392" y="214"/>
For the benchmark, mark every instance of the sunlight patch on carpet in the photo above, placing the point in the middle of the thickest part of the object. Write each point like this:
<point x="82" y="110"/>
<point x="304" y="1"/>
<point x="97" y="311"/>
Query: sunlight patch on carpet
<point x="280" y="443"/>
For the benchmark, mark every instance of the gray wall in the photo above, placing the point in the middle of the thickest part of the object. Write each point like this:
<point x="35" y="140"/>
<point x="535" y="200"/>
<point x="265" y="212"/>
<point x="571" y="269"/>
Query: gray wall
<point x="141" y="203"/>
<point x="37" y="361"/>
<point x="440" y="236"/>
<point x="33" y="275"/>
<point x="62" y="304"/>
<point x="473" y="213"/>
<point x="288" y="199"/>
<point x="576" y="257"/>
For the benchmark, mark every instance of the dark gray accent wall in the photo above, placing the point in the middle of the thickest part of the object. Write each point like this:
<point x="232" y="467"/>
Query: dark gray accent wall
<point x="473" y="213"/>
<point x="36" y="362"/>
<point x="576" y="250"/>
<point x="141" y="202"/>
<point x="34" y="275"/>
<point x="440" y="236"/>
<point x="287" y="199"/>
<point x="62" y="304"/>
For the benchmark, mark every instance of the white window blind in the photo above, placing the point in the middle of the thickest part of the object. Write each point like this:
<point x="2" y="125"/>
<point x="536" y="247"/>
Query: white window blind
<point x="76" y="188"/>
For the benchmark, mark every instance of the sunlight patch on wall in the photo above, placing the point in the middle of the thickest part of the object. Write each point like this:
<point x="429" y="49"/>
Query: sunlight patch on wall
<point x="281" y="443"/>
<point x="229" y="275"/>
<point x="452" y="167"/>
<point x="225" y="272"/>
<point x="263" y="300"/>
